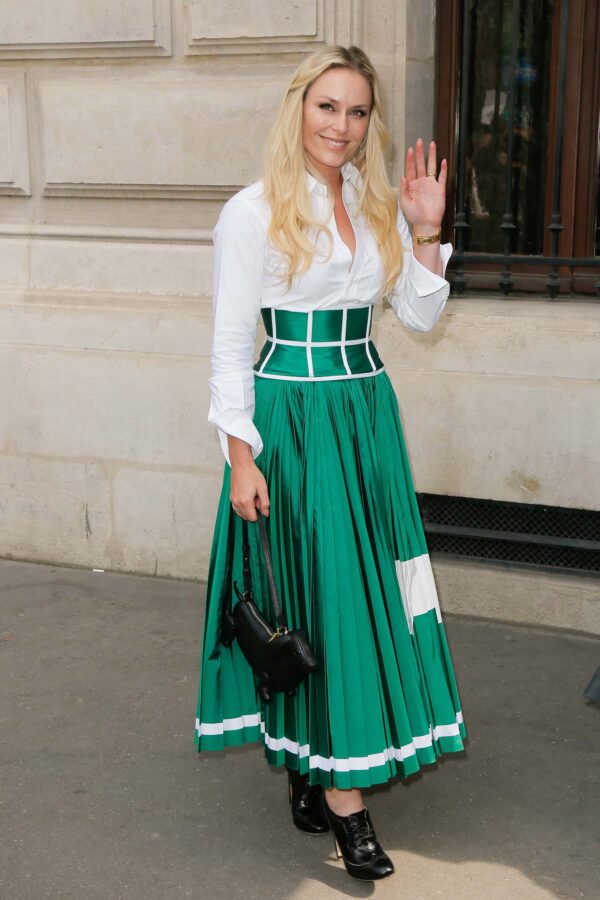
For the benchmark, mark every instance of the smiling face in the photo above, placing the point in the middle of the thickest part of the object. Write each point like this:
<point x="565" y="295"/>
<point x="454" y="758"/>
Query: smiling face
<point x="335" y="119"/>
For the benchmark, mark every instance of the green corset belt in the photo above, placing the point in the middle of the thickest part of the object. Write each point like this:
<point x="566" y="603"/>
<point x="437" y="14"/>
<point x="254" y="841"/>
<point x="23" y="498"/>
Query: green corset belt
<point x="322" y="344"/>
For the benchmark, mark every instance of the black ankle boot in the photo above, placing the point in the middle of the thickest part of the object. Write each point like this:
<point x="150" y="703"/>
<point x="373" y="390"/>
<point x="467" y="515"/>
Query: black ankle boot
<point x="356" y="842"/>
<point x="307" y="804"/>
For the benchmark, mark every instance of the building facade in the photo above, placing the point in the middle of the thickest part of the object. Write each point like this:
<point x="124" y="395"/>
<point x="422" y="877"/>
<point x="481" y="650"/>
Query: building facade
<point x="122" y="132"/>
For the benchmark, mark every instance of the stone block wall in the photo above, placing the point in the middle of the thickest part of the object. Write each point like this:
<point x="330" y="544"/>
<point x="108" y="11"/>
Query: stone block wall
<point x="123" y="128"/>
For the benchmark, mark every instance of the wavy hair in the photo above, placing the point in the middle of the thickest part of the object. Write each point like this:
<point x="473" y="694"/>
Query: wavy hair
<point x="285" y="162"/>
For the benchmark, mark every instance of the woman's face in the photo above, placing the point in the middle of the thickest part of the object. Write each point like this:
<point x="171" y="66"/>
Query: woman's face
<point x="335" y="118"/>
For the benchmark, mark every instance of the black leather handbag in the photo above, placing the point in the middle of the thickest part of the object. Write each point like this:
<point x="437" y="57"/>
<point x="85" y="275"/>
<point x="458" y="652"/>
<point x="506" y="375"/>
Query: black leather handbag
<point x="279" y="657"/>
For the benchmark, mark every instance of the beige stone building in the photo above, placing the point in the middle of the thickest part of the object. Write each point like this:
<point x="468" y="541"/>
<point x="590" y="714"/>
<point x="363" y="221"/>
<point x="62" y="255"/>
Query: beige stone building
<point x="123" y="128"/>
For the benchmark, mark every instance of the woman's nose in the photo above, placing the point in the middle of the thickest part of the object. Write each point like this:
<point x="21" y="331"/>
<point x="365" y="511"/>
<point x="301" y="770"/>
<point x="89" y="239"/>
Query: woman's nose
<point x="341" y="122"/>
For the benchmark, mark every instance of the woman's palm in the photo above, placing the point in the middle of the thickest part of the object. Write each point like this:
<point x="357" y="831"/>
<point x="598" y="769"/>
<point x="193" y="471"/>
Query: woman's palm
<point x="422" y="195"/>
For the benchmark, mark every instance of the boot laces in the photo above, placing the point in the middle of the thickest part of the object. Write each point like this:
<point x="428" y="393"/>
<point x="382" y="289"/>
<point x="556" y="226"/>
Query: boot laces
<point x="363" y="835"/>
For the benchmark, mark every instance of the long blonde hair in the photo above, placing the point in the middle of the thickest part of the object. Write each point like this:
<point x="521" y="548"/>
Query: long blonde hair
<point x="285" y="162"/>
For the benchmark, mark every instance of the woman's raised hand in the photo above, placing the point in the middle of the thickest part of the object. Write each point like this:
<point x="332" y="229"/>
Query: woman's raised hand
<point x="422" y="194"/>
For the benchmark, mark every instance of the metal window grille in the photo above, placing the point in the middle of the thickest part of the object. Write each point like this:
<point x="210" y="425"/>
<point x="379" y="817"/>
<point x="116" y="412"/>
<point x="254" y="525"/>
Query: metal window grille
<point x="550" y="537"/>
<point x="510" y="19"/>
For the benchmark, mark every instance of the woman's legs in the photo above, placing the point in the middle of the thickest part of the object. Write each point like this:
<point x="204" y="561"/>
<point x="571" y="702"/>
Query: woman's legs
<point x="344" y="802"/>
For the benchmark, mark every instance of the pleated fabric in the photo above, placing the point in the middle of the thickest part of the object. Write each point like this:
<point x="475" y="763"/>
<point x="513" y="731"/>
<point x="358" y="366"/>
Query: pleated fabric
<point x="353" y="570"/>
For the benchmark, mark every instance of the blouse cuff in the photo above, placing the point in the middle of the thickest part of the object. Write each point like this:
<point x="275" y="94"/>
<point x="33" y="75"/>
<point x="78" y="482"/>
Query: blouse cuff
<point x="240" y="426"/>
<point x="231" y="410"/>
<point x="423" y="280"/>
<point x="420" y="295"/>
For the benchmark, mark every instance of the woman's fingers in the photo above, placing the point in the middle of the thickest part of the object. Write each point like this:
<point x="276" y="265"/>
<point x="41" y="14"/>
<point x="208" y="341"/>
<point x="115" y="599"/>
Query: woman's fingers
<point x="432" y="159"/>
<point x="409" y="169"/>
<point x="261" y="498"/>
<point x="415" y="160"/>
<point x="245" y="508"/>
<point x="443" y="173"/>
<point x="249" y="492"/>
<point x="420" y="158"/>
<point x="245" y="511"/>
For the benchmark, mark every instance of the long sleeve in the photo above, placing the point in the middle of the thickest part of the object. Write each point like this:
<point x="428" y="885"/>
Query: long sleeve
<point x="239" y="246"/>
<point x="419" y="295"/>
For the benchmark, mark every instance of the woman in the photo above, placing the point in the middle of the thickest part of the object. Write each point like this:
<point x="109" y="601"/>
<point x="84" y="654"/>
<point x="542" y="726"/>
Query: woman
<point x="312" y="439"/>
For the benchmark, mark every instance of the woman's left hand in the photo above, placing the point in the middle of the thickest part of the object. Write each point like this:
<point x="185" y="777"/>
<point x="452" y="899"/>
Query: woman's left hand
<point x="422" y="195"/>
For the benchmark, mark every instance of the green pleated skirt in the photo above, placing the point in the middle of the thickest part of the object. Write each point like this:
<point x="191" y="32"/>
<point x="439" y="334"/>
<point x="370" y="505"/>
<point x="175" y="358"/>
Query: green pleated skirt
<point x="353" y="570"/>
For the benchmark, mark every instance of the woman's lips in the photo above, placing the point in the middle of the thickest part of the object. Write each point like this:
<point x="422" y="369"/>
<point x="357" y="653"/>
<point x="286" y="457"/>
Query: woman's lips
<point x="335" y="145"/>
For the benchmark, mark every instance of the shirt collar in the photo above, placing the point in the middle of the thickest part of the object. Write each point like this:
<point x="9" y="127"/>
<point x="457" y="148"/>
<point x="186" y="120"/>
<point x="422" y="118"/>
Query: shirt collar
<point x="349" y="173"/>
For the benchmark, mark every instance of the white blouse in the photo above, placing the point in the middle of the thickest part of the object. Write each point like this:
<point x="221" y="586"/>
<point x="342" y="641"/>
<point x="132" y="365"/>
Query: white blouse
<point x="247" y="276"/>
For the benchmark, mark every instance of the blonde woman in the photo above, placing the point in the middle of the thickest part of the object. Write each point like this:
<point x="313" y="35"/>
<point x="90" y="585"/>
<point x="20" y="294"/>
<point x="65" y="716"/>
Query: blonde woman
<point x="312" y="438"/>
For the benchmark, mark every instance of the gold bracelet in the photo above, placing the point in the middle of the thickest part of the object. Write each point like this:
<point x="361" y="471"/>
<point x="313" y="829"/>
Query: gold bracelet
<point x="427" y="238"/>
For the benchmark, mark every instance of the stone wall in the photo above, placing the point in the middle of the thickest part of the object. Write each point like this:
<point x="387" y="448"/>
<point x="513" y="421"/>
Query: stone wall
<point x="123" y="128"/>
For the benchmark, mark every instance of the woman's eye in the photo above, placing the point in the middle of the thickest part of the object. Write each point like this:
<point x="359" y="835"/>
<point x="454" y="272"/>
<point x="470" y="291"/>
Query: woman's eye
<point x="360" y="112"/>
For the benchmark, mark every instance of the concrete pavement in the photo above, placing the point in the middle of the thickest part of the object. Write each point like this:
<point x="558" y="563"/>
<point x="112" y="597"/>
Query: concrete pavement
<point x="104" y="796"/>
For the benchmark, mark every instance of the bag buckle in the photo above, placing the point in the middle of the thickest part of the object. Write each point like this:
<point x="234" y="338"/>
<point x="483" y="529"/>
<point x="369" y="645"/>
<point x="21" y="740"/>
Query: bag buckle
<point x="278" y="633"/>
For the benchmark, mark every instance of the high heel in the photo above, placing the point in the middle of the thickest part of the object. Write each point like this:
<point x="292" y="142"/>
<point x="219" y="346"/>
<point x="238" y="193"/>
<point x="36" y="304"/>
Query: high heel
<point x="356" y="843"/>
<point x="307" y="804"/>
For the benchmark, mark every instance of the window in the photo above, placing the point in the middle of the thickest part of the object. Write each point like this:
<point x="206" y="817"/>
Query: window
<point x="517" y="95"/>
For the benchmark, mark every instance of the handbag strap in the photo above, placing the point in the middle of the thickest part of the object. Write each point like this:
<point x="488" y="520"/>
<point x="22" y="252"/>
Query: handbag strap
<point x="279" y="616"/>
